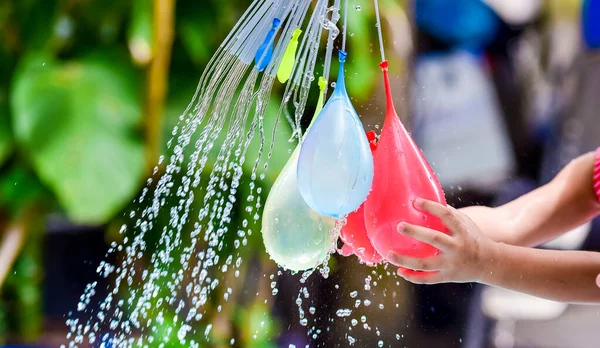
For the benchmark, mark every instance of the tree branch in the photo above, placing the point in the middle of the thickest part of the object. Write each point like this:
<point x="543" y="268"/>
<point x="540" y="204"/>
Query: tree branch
<point x="158" y="73"/>
<point x="12" y="243"/>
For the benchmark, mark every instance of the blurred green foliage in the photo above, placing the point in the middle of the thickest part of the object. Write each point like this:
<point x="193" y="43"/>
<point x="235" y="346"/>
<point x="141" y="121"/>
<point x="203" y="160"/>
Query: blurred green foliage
<point x="76" y="123"/>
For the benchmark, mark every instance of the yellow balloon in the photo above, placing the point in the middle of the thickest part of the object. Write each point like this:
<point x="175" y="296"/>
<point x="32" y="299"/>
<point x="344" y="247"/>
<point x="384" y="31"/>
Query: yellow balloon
<point x="295" y="236"/>
<point x="289" y="57"/>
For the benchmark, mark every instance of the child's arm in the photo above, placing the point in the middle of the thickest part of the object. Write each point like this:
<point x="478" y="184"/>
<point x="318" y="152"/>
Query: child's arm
<point x="565" y="276"/>
<point x="565" y="203"/>
<point x="468" y="255"/>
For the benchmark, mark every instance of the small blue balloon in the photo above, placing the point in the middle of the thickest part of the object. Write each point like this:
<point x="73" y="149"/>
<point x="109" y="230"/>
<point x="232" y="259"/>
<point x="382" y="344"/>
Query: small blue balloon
<point x="591" y="23"/>
<point x="469" y="24"/>
<point x="265" y="51"/>
<point x="335" y="167"/>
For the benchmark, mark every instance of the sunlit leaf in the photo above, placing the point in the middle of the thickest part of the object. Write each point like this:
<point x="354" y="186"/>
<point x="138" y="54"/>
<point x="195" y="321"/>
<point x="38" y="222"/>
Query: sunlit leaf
<point x="77" y="121"/>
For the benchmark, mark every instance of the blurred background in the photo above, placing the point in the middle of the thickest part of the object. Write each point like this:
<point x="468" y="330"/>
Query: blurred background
<point x="499" y="94"/>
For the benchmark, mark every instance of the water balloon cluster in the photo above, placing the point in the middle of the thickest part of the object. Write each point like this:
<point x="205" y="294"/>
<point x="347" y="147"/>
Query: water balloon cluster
<point x="344" y="173"/>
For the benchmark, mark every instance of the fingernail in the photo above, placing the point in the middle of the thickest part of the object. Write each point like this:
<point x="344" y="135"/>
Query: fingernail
<point x="400" y="227"/>
<point x="418" y="203"/>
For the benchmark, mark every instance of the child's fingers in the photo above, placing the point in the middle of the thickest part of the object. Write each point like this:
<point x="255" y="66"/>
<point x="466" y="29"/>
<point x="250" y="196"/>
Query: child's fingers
<point x="421" y="278"/>
<point x="426" y="235"/>
<point x="433" y="263"/>
<point x="447" y="214"/>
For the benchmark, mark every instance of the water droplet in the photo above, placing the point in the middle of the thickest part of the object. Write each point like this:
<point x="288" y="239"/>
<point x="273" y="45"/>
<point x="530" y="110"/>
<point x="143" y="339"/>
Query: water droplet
<point x="351" y="340"/>
<point x="343" y="313"/>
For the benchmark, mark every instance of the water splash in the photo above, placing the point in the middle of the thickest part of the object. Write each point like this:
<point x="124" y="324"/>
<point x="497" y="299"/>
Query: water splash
<point x="199" y="252"/>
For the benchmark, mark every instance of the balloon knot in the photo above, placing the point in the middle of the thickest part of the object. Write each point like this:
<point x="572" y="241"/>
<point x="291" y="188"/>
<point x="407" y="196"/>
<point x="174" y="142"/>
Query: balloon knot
<point x="342" y="56"/>
<point x="372" y="137"/>
<point x="322" y="83"/>
<point x="384" y="65"/>
<point x="296" y="34"/>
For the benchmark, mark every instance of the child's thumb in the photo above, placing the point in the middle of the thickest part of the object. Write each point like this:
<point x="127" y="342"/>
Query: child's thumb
<point x="598" y="280"/>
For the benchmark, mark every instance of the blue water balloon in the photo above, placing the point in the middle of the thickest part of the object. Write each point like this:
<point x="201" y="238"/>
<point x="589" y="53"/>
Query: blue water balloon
<point x="265" y="51"/>
<point x="335" y="166"/>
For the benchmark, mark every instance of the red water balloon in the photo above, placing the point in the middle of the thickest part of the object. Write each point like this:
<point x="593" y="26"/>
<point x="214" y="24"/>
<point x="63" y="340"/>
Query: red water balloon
<point x="354" y="233"/>
<point x="402" y="174"/>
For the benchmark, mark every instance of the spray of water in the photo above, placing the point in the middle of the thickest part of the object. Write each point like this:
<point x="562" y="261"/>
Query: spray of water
<point x="225" y="117"/>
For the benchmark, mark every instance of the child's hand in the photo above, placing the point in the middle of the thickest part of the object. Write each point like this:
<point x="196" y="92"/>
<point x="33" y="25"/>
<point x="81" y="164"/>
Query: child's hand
<point x="463" y="254"/>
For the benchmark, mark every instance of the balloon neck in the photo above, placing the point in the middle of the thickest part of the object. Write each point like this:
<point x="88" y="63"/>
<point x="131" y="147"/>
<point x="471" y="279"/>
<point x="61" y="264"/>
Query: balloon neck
<point x="372" y="138"/>
<point x="296" y="34"/>
<point x="391" y="109"/>
<point x="341" y="81"/>
<point x="342" y="56"/>
<point x="322" y="87"/>
<point x="384" y="65"/>
<point x="322" y="84"/>
<point x="276" y="23"/>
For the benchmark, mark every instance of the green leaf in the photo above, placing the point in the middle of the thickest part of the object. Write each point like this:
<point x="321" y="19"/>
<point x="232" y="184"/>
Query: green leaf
<point x="76" y="121"/>
<point x="6" y="145"/>
<point x="196" y="24"/>
<point x="18" y="188"/>
<point x="194" y="41"/>
<point x="6" y="68"/>
<point x="258" y="327"/>
<point x="362" y="71"/>
<point x="282" y="149"/>
<point x="36" y="21"/>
